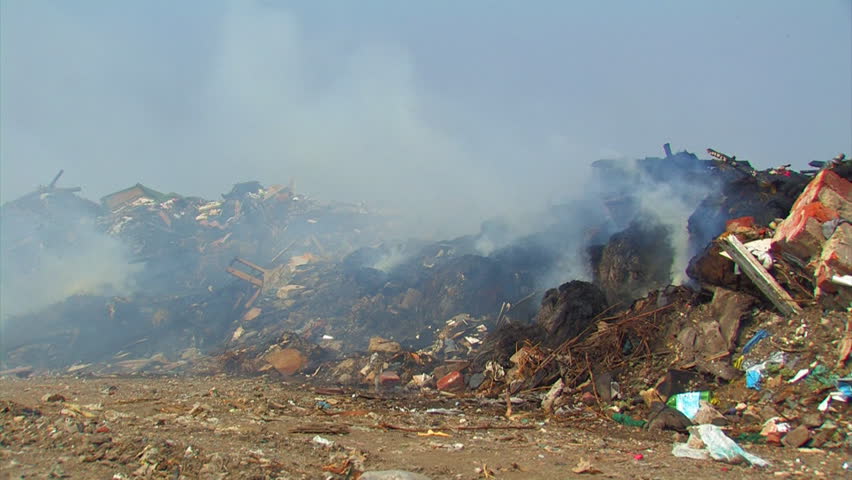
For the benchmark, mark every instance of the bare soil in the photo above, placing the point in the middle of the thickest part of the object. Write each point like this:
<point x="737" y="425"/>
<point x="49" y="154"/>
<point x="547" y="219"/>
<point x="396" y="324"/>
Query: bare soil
<point x="227" y="427"/>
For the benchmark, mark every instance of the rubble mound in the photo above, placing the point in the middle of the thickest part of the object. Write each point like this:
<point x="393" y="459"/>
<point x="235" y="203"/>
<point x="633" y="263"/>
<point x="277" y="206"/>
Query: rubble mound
<point x="567" y="311"/>
<point x="635" y="261"/>
<point x="743" y="192"/>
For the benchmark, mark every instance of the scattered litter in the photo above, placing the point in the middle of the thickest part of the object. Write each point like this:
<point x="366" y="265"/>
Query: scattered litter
<point x="758" y="336"/>
<point x="708" y="441"/>
<point x="832" y="397"/>
<point x="627" y="420"/>
<point x="844" y="385"/>
<point x="322" y="441"/>
<point x="392" y="475"/>
<point x="585" y="466"/>
<point x="444" y="411"/>
<point x="753" y="378"/>
<point x="774" y="425"/>
<point x="800" y="375"/>
<point x="689" y="402"/>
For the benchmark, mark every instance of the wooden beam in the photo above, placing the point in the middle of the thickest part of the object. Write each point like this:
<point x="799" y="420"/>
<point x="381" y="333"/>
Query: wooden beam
<point x="250" y="265"/>
<point x="56" y="179"/>
<point x="245" y="276"/>
<point x="761" y="278"/>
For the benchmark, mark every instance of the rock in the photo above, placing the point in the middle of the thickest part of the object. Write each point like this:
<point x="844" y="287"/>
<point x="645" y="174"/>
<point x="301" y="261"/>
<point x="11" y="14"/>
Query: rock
<point x="713" y="332"/>
<point x="797" y="437"/>
<point x="708" y="414"/>
<point x="53" y="397"/>
<point x="769" y="411"/>
<point x="751" y="415"/>
<point x="99" y="439"/>
<point x="392" y="475"/>
<point x="811" y="420"/>
<point x="346" y="366"/>
<point x="442" y="370"/>
<point x="475" y="381"/>
<point x="287" y="361"/>
<point x="824" y="435"/>
<point x="383" y="345"/>
<point x="835" y="259"/>
<point x="452" y="382"/>
<point x="820" y="439"/>
<point x="663" y="417"/>
<point x="389" y="378"/>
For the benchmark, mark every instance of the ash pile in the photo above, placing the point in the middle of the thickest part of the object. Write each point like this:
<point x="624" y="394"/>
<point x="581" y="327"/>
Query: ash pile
<point x="691" y="286"/>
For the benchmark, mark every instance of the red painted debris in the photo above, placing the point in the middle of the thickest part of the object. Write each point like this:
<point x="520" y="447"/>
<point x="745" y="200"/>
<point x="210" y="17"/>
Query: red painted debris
<point x="836" y="259"/>
<point x="773" y="438"/>
<point x="740" y="224"/>
<point x="825" y="185"/>
<point x="452" y="382"/>
<point x="827" y="197"/>
<point x="638" y="456"/>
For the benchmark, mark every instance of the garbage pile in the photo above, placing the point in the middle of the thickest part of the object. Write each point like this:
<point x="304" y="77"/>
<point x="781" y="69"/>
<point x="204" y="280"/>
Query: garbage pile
<point x="266" y="281"/>
<point x="189" y="241"/>
<point x="173" y="253"/>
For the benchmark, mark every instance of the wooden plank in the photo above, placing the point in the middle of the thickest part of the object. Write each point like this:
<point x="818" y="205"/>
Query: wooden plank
<point x="761" y="278"/>
<point x="56" y="179"/>
<point x="245" y="276"/>
<point x="250" y="265"/>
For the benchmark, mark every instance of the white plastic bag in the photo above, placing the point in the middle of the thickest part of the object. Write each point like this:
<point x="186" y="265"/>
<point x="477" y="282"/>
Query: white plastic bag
<point x="717" y="446"/>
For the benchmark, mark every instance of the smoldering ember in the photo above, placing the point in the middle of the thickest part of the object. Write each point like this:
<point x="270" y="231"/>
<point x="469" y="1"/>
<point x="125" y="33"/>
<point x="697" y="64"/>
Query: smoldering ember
<point x="269" y="334"/>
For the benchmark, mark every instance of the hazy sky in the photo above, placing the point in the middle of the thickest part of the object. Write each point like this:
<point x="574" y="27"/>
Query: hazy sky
<point x="459" y="108"/>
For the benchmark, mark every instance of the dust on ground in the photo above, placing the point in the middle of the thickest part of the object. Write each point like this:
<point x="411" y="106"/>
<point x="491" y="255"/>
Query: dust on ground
<point x="228" y="427"/>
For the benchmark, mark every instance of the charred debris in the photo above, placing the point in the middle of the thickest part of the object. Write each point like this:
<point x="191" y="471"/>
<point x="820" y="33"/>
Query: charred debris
<point x="269" y="281"/>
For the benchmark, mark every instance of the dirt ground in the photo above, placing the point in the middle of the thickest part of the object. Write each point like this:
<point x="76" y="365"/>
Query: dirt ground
<point x="226" y="427"/>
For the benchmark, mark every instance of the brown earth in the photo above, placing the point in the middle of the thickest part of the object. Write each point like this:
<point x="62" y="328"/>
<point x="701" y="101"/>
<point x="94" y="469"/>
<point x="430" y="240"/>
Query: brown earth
<point x="227" y="427"/>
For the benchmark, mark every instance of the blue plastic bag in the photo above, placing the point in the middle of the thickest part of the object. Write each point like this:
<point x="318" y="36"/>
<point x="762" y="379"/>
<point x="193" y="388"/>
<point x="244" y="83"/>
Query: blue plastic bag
<point x="753" y="378"/>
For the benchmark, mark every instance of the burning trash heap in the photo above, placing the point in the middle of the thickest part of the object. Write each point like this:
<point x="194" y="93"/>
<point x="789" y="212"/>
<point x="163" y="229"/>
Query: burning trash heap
<point x="707" y="293"/>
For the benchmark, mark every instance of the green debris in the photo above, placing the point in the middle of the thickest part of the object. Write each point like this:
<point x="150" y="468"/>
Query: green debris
<point x="625" y="419"/>
<point x="750" y="438"/>
<point x="821" y="374"/>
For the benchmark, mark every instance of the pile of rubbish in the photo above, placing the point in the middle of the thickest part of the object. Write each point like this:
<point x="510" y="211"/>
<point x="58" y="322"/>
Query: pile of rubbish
<point x="265" y="281"/>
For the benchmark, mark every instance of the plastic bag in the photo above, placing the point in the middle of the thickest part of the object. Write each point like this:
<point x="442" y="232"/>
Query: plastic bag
<point x="688" y="403"/>
<point x="625" y="419"/>
<point x="717" y="446"/>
